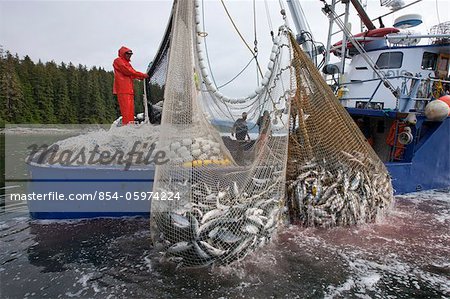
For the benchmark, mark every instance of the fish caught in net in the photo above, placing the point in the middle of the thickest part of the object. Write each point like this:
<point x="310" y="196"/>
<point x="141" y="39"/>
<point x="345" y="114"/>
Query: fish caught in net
<point x="223" y="197"/>
<point x="334" y="176"/>
<point x="218" y="199"/>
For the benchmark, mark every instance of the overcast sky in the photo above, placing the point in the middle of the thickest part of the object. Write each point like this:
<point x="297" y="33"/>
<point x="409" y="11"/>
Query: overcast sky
<point x="91" y="32"/>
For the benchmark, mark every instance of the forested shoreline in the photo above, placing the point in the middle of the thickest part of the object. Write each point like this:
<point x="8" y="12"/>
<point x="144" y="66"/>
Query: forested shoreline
<point x="48" y="93"/>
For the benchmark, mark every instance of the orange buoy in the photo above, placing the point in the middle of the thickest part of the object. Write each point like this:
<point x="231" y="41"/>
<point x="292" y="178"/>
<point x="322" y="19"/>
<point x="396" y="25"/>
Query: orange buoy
<point x="446" y="99"/>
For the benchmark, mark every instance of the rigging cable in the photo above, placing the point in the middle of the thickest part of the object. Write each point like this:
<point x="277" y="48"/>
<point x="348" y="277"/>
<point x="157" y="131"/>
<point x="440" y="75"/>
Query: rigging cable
<point x="206" y="47"/>
<point x="245" y="67"/>
<point x="209" y="62"/>
<point x="394" y="11"/>
<point x="437" y="11"/>
<point x="269" y="20"/>
<point x="255" y="42"/>
<point x="240" y="35"/>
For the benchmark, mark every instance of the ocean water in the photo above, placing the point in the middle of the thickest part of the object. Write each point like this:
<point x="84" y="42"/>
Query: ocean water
<point x="406" y="255"/>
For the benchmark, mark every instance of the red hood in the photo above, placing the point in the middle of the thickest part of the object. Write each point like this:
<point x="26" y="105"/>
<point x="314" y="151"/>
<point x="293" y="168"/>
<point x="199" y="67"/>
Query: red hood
<point x="122" y="52"/>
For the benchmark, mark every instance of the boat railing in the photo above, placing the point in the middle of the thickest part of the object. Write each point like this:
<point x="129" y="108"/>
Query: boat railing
<point x="428" y="89"/>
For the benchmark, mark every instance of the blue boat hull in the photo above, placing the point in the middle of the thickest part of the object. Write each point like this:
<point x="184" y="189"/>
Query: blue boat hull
<point x="426" y="161"/>
<point x="429" y="167"/>
<point x="106" y="192"/>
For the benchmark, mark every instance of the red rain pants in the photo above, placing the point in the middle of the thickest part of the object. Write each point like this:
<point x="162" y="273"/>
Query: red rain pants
<point x="126" y="103"/>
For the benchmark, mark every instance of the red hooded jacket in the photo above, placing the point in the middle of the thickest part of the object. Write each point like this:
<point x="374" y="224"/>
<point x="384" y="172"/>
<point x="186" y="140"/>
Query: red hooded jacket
<point x="124" y="74"/>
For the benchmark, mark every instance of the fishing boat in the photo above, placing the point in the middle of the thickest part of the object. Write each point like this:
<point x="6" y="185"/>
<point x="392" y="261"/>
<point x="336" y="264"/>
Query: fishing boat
<point x="388" y="88"/>
<point x="390" y="80"/>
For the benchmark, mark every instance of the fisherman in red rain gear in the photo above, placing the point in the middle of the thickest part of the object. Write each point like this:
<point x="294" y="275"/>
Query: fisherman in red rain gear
<point x="123" y="84"/>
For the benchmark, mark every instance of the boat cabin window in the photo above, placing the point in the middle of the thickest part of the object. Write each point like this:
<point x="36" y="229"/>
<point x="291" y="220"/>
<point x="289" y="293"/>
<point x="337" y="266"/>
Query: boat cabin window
<point x="390" y="60"/>
<point x="429" y="61"/>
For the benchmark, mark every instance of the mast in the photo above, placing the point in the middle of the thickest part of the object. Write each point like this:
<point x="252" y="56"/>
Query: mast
<point x="363" y="15"/>
<point x="299" y="18"/>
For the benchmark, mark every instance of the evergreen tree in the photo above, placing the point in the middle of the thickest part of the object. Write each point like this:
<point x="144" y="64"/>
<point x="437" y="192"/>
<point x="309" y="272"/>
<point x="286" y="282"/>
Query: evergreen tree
<point x="138" y="86"/>
<point x="73" y="79"/>
<point x="25" y="69"/>
<point x="156" y="93"/>
<point x="64" y="110"/>
<point x="106" y="80"/>
<point x="97" y="110"/>
<point x="83" y="96"/>
<point x="11" y="94"/>
<point x="51" y="93"/>
<point x="44" y="95"/>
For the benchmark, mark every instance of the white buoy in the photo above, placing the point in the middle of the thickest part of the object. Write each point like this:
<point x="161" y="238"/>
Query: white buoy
<point x="259" y="90"/>
<point x="252" y="95"/>
<point x="437" y="110"/>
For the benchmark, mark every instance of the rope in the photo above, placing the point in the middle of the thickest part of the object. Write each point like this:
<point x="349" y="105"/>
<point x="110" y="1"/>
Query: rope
<point x="269" y="19"/>
<point x="255" y="41"/>
<point x="240" y="35"/>
<point x="437" y="12"/>
<point x="245" y="67"/>
<point x="206" y="46"/>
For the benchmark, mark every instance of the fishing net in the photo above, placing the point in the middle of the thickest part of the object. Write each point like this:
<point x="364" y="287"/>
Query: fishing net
<point x="217" y="199"/>
<point x="333" y="176"/>
<point x="157" y="71"/>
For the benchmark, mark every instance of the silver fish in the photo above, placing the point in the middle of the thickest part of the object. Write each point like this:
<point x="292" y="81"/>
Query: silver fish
<point x="211" y="197"/>
<point x="346" y="183"/>
<point x="179" y="247"/>
<point x="200" y="252"/>
<point x="213" y="233"/>
<point x="228" y="237"/>
<point x="250" y="228"/>
<point x="221" y="206"/>
<point x="355" y="182"/>
<point x="194" y="225"/>
<point x="270" y="222"/>
<point x="235" y="189"/>
<point x="212" y="214"/>
<point x="329" y="190"/>
<point x="207" y="188"/>
<point x="179" y="221"/>
<point x="260" y="182"/>
<point x="262" y="241"/>
<point x="239" y="249"/>
<point x="304" y="175"/>
<point x="221" y="194"/>
<point x="212" y="250"/>
<point x="255" y="219"/>
<point x="253" y="211"/>
<point x="309" y="165"/>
